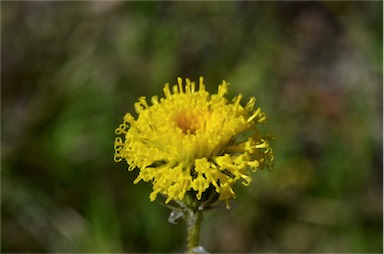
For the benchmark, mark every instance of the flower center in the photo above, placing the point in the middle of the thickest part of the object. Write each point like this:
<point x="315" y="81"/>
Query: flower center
<point x="189" y="122"/>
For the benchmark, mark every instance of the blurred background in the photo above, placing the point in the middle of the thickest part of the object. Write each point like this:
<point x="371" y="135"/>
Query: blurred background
<point x="71" y="70"/>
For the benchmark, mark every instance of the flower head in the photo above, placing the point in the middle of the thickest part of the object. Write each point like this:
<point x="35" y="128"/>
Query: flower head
<point x="191" y="141"/>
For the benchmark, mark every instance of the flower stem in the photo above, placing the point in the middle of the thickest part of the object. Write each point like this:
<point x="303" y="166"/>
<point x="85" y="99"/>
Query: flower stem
<point x="193" y="229"/>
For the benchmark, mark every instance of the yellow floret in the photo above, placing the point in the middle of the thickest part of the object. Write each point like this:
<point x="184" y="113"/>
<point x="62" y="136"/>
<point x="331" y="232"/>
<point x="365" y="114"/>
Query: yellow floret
<point x="191" y="140"/>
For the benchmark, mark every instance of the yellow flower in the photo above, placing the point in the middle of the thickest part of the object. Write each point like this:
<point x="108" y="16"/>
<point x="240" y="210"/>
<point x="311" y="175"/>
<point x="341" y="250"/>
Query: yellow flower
<point x="192" y="140"/>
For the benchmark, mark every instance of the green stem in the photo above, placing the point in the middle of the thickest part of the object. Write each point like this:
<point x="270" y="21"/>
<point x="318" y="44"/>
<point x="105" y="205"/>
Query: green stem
<point x="193" y="229"/>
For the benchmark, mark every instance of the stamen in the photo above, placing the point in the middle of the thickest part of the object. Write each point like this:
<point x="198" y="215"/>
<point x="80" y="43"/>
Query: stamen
<point x="175" y="89"/>
<point x="257" y="112"/>
<point x="201" y="84"/>
<point x="155" y="100"/>
<point x="193" y="86"/>
<point x="180" y="82"/>
<point x="223" y="88"/>
<point x="237" y="100"/>
<point x="166" y="90"/>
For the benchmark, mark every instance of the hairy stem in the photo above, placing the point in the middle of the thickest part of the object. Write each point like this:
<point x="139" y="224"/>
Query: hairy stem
<point x="193" y="229"/>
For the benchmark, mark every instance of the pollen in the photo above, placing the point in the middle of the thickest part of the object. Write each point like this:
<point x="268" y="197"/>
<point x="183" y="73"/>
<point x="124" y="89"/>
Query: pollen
<point x="189" y="121"/>
<point x="191" y="141"/>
